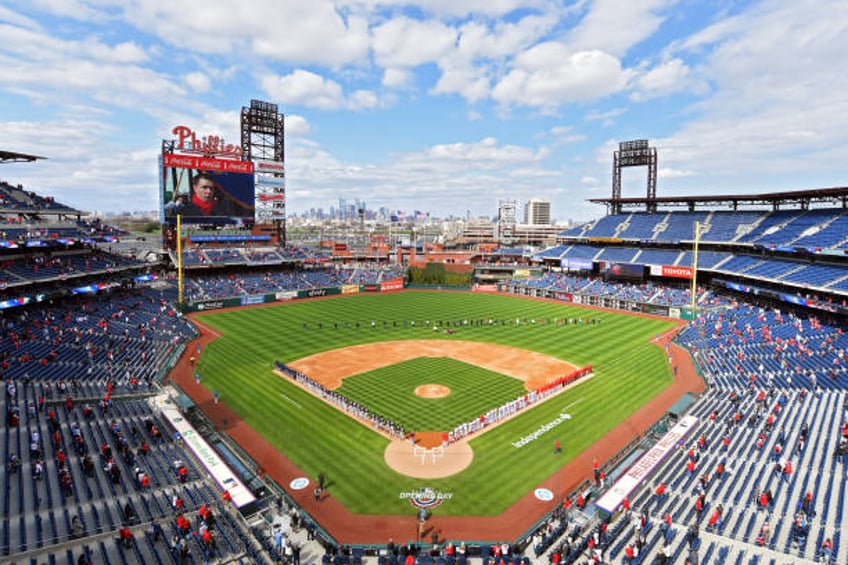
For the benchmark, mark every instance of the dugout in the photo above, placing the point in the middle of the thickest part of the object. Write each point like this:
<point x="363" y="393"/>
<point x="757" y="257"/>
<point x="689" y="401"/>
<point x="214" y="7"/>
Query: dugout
<point x="680" y="407"/>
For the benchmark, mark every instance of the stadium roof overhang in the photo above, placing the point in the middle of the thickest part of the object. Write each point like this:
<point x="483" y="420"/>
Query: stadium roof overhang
<point x="13" y="157"/>
<point x="801" y="198"/>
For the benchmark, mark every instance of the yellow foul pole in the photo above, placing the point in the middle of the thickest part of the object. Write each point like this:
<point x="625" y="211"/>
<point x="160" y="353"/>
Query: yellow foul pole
<point x="695" y="270"/>
<point x="179" y="260"/>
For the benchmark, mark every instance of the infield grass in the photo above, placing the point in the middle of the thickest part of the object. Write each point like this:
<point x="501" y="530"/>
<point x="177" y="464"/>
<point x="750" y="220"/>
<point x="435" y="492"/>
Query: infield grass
<point x="390" y="391"/>
<point x="629" y="371"/>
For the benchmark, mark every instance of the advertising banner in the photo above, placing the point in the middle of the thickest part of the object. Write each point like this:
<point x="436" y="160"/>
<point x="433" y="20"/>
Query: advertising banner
<point x="215" y="466"/>
<point x="677" y="272"/>
<point x="655" y="309"/>
<point x="254" y="299"/>
<point x="576" y="264"/>
<point x="485" y="288"/>
<point x="392" y="284"/>
<point x="642" y="469"/>
<point x="274" y="167"/>
<point x="265" y="180"/>
<point x="206" y="163"/>
<point x="317" y="292"/>
<point x="350" y="289"/>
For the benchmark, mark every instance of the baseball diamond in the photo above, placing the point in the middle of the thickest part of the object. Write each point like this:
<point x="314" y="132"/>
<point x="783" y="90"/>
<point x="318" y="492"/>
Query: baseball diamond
<point x="292" y="432"/>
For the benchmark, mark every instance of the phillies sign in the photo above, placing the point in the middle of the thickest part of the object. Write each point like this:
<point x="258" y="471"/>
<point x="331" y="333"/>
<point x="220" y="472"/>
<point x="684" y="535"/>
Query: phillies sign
<point x="187" y="140"/>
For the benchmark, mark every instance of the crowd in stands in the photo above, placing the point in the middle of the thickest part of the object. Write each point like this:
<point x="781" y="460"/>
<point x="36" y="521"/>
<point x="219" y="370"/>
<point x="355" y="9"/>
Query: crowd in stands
<point x="85" y="453"/>
<point x="647" y="292"/>
<point x="41" y="266"/>
<point x="128" y="336"/>
<point x="206" y="287"/>
<point x="820" y="228"/>
<point x="206" y="256"/>
<point x="15" y="197"/>
<point x="746" y="346"/>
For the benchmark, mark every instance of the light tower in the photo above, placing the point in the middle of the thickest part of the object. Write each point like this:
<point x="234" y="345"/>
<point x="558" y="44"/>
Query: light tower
<point x="635" y="153"/>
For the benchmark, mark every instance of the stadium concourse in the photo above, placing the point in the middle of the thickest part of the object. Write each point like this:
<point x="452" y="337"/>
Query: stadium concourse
<point x="753" y="470"/>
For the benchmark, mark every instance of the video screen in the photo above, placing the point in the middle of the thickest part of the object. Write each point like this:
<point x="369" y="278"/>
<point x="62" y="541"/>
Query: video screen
<point x="624" y="271"/>
<point x="206" y="191"/>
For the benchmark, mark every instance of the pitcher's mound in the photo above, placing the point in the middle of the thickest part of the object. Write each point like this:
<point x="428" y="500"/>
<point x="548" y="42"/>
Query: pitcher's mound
<point x="432" y="391"/>
<point x="429" y="458"/>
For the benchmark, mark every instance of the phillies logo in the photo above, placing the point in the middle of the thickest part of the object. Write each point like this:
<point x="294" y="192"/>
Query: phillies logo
<point x="211" y="144"/>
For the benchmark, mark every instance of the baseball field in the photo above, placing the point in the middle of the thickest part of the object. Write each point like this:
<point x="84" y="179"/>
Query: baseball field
<point x="478" y="350"/>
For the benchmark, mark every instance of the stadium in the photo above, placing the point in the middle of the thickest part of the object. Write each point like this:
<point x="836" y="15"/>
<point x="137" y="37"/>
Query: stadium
<point x="665" y="383"/>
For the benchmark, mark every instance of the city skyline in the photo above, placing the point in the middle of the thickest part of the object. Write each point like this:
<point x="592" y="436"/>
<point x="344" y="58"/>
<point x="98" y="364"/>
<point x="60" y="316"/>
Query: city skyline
<point x="437" y="106"/>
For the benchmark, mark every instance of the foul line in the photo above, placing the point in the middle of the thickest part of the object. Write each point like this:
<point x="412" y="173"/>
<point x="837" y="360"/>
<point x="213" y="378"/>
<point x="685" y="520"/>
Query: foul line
<point x="290" y="400"/>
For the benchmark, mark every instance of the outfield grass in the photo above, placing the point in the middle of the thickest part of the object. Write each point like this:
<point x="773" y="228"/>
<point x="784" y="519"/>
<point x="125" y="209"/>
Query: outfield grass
<point x="629" y="371"/>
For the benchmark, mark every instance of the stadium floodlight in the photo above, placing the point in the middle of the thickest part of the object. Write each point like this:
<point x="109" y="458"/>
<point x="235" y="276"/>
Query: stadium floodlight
<point x="634" y="153"/>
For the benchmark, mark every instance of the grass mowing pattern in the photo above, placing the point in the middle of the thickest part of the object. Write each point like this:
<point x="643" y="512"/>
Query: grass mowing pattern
<point x="390" y="391"/>
<point x="629" y="372"/>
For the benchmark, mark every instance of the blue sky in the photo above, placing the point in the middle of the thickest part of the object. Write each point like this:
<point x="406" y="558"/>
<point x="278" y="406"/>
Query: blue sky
<point x="439" y="105"/>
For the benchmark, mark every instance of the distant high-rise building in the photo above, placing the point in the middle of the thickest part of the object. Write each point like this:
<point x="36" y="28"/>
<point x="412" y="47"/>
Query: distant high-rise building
<point x="537" y="212"/>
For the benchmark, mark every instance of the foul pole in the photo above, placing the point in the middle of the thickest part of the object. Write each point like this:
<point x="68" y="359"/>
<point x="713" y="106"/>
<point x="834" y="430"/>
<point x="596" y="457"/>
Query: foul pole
<point x="179" y="261"/>
<point x="695" y="270"/>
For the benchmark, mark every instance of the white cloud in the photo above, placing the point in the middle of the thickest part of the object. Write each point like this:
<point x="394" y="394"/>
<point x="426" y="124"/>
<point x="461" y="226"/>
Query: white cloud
<point x="41" y="45"/>
<point x="314" y="32"/>
<point x="77" y="9"/>
<point x="667" y="173"/>
<point x="404" y="42"/>
<point x="311" y="90"/>
<point x="666" y="78"/>
<point x="602" y="116"/>
<point x="548" y="75"/>
<point x="454" y="9"/>
<point x="483" y="50"/>
<point x="297" y="126"/>
<point x="397" y="78"/>
<point x="198" y="82"/>
<point x="122" y="85"/>
<point x="776" y="106"/>
<point x="362" y="99"/>
<point x="19" y="20"/>
<point x="466" y="80"/>
<point x="615" y="26"/>
<point x="124" y="52"/>
<point x="485" y="153"/>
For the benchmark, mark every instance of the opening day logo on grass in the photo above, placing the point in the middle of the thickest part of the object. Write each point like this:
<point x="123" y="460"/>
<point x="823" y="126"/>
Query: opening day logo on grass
<point x="426" y="497"/>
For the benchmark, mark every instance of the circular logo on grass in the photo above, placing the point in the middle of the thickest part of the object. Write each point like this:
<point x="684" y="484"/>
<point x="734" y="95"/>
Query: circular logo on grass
<point x="426" y="497"/>
<point x="543" y="494"/>
<point x="299" y="483"/>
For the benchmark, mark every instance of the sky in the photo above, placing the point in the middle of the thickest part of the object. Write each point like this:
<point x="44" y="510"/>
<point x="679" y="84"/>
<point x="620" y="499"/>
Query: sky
<point x="435" y="105"/>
